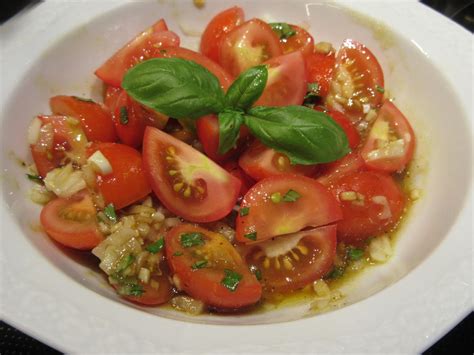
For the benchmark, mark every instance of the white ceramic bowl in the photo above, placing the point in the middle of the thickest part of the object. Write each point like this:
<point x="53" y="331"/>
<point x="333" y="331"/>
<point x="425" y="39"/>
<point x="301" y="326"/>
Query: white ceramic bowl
<point x="424" y="290"/>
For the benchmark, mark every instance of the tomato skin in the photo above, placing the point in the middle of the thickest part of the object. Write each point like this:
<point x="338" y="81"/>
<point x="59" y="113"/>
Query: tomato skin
<point x="390" y="114"/>
<point x="220" y="24"/>
<point x="330" y="172"/>
<point x="286" y="83"/>
<point x="96" y="120"/>
<point x="111" y="94"/>
<point x="301" y="41"/>
<point x="260" y="162"/>
<point x="71" y="232"/>
<point x="320" y="247"/>
<point x="220" y="189"/>
<point x="127" y="182"/>
<point x="363" y="220"/>
<point x="248" y="45"/>
<point x="319" y="68"/>
<point x="351" y="132"/>
<point x="247" y="182"/>
<point x="314" y="207"/>
<point x="151" y="296"/>
<point x="205" y="284"/>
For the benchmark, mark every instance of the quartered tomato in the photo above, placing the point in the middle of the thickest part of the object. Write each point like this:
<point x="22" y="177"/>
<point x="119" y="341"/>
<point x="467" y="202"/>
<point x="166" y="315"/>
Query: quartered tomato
<point x="330" y="172"/>
<point x="209" y="268"/>
<point x="284" y="204"/>
<point x="220" y="24"/>
<point x="286" y="84"/>
<point x="351" y="132"/>
<point x="356" y="80"/>
<point x="187" y="182"/>
<point x="260" y="162"/>
<point x="72" y="221"/>
<point x="391" y="141"/>
<point x="319" y="67"/>
<point x="371" y="203"/>
<point x="145" y="46"/>
<point x="153" y="296"/>
<point x="207" y="129"/>
<point x="300" y="41"/>
<point x="126" y="183"/>
<point x="178" y="52"/>
<point x="96" y="120"/>
<point x="293" y="261"/>
<point x="248" y="45"/>
<point x="247" y="182"/>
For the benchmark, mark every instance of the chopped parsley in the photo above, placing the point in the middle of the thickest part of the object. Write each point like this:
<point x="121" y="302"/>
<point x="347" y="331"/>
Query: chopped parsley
<point x="123" y="115"/>
<point x="191" y="239"/>
<point x="177" y="253"/>
<point x="282" y="29"/>
<point x="35" y="178"/>
<point x="156" y="246"/>
<point x="244" y="211"/>
<point x="199" y="264"/>
<point x="131" y="289"/>
<point x="109" y="212"/>
<point x="379" y="89"/>
<point x="291" y="196"/>
<point x="355" y="253"/>
<point x="335" y="273"/>
<point x="83" y="99"/>
<point x="231" y="279"/>
<point x="312" y="94"/>
<point x="251" y="236"/>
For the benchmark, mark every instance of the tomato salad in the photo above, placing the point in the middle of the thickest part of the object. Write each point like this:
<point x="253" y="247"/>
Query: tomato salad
<point x="265" y="164"/>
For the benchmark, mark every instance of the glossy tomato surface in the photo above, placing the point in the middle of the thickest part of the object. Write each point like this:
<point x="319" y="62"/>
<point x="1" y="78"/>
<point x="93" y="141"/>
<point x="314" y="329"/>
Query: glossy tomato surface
<point x="330" y="172"/>
<point x="301" y="41"/>
<point x="319" y="67"/>
<point x="153" y="296"/>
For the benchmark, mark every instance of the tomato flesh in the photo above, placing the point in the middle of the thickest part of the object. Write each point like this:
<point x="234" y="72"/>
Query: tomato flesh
<point x="187" y="182"/>
<point x="154" y="296"/>
<point x="319" y="67"/>
<point x="72" y="221"/>
<point x="301" y="41"/>
<point x="246" y="181"/>
<point x="206" y="282"/>
<point x="330" y="172"/>
<point x="269" y="216"/>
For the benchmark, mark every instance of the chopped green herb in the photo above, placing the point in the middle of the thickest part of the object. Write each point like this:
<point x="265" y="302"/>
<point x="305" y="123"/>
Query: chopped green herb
<point x="282" y="29"/>
<point x="35" y="178"/>
<point x="177" y="253"/>
<point x="131" y="289"/>
<point x="156" y="246"/>
<point x="82" y="99"/>
<point x="251" y="236"/>
<point x="355" y="253"/>
<point x="125" y="262"/>
<point x="291" y="196"/>
<point x="191" y="239"/>
<point x="258" y="274"/>
<point x="276" y="197"/>
<point x="231" y="280"/>
<point x="244" y="211"/>
<point x="312" y="94"/>
<point x="199" y="264"/>
<point x="163" y="51"/>
<point x="335" y="273"/>
<point x="109" y="211"/>
<point x="123" y="115"/>
<point x="380" y="89"/>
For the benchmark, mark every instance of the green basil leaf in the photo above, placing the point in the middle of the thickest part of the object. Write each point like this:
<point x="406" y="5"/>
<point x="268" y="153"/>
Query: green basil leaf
<point x="229" y="129"/>
<point x="156" y="246"/>
<point x="231" y="279"/>
<point x="192" y="239"/>
<point x="247" y="88"/>
<point x="304" y="135"/>
<point x="199" y="264"/>
<point x="282" y="29"/>
<point x="175" y="87"/>
<point x="291" y="196"/>
<point x="244" y="211"/>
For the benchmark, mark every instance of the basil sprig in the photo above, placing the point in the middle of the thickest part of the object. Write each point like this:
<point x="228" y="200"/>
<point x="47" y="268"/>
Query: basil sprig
<point x="184" y="89"/>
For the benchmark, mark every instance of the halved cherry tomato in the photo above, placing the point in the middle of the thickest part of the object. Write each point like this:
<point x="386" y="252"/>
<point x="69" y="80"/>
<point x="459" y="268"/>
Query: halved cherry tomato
<point x="371" y="203"/>
<point x="126" y="183"/>
<point x="153" y="296"/>
<point x="209" y="268"/>
<point x="247" y="182"/>
<point x="293" y="261"/>
<point x="187" y="182"/>
<point x="260" y="162"/>
<point x="72" y="221"/>
<point x="96" y="121"/>
<point x="355" y="80"/>
<point x="301" y="41"/>
<point x="286" y="84"/>
<point x="111" y="93"/>
<point x="391" y="141"/>
<point x="144" y="46"/>
<point x="248" y="45"/>
<point x="171" y="52"/>
<point x="207" y="129"/>
<point x="351" y="132"/>
<point x="319" y="67"/>
<point x="220" y="24"/>
<point x="330" y="172"/>
<point x="284" y="204"/>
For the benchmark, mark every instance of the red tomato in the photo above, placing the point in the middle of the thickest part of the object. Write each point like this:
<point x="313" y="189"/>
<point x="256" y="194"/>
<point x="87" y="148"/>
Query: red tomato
<point x="301" y="41"/>
<point x="153" y="296"/>
<point x="355" y="80"/>
<point x="187" y="182"/>
<point x="126" y="183"/>
<point x="220" y="24"/>
<point x="319" y="67"/>
<point x="247" y="182"/>
<point x="171" y="52"/>
<point x="391" y="141"/>
<point x="248" y="45"/>
<point x="293" y="261"/>
<point x="286" y="84"/>
<point x="260" y="162"/>
<point x="371" y="203"/>
<point x="96" y="121"/>
<point x="207" y="129"/>
<point x="72" y="221"/>
<point x="111" y="95"/>
<point x="284" y="204"/>
<point x="330" y="172"/>
<point x="145" y="46"/>
<point x="205" y="268"/>
<point x="351" y="132"/>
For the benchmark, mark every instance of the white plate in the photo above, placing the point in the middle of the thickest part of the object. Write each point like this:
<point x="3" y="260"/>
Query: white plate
<point x="414" y="299"/>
